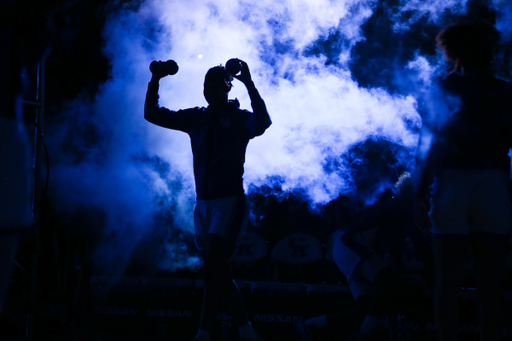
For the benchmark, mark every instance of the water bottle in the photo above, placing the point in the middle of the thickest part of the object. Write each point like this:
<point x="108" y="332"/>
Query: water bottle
<point x="169" y="67"/>
<point x="233" y="66"/>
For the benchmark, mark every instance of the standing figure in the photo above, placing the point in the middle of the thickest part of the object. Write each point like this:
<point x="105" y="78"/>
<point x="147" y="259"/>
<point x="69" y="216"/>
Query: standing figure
<point x="468" y="170"/>
<point x="23" y="47"/>
<point x="219" y="136"/>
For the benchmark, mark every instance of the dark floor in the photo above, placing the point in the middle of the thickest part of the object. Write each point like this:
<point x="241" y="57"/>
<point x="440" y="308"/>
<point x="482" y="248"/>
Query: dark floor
<point x="141" y="309"/>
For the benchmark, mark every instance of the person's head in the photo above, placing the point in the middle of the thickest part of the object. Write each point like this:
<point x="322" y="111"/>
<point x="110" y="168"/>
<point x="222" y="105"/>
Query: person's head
<point x="217" y="84"/>
<point x="470" y="45"/>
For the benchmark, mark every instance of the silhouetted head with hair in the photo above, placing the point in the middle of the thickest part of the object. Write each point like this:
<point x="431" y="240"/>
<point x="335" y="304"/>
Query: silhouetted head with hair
<point x="217" y="84"/>
<point x="470" y="45"/>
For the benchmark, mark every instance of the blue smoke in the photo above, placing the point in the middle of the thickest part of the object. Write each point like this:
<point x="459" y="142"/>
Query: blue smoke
<point x="340" y="79"/>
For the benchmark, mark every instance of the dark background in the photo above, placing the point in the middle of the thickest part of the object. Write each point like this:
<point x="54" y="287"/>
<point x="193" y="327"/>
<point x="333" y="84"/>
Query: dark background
<point x="69" y="33"/>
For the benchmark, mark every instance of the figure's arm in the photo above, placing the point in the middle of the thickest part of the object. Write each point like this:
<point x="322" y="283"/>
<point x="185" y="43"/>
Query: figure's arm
<point x="159" y="115"/>
<point x="260" y="120"/>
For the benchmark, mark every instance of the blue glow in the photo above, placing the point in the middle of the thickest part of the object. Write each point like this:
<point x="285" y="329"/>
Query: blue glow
<point x="301" y="57"/>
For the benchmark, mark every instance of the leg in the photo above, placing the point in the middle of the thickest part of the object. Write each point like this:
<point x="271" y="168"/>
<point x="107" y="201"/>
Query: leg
<point x="233" y="300"/>
<point x="450" y="210"/>
<point x="491" y="226"/>
<point x="490" y="253"/>
<point x="219" y="285"/>
<point x="449" y="258"/>
<point x="223" y="219"/>
<point x="235" y="304"/>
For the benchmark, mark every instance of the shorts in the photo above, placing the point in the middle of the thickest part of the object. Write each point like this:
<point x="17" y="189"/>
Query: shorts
<point x="224" y="217"/>
<point x="466" y="201"/>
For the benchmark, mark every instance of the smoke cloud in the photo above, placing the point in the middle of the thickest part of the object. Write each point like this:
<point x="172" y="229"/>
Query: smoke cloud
<point x="333" y="74"/>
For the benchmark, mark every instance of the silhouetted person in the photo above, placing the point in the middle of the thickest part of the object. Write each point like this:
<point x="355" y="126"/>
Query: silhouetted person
<point x="15" y="212"/>
<point x="25" y="40"/>
<point x="219" y="136"/>
<point x="468" y="169"/>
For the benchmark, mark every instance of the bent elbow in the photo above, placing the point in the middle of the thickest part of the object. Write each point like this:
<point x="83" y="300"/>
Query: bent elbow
<point x="266" y="125"/>
<point x="262" y="128"/>
<point x="147" y="117"/>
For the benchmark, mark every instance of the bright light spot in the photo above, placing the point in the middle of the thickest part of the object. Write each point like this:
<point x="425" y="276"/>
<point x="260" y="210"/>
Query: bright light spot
<point x="200" y="56"/>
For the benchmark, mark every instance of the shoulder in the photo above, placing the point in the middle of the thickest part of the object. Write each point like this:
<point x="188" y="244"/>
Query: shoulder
<point x="195" y="111"/>
<point x="191" y="116"/>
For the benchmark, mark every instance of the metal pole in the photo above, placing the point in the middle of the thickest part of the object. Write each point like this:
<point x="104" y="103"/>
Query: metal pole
<point x="39" y="135"/>
<point x="36" y="198"/>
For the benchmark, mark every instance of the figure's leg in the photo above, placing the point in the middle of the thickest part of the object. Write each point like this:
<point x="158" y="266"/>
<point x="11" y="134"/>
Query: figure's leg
<point x="228" y="217"/>
<point x="219" y="286"/>
<point x="490" y="253"/>
<point x="450" y="211"/>
<point x="202" y="223"/>
<point x="238" y="215"/>
<point x="449" y="258"/>
<point x="235" y="303"/>
<point x="216" y="274"/>
<point x="490" y="231"/>
<point x="220" y="280"/>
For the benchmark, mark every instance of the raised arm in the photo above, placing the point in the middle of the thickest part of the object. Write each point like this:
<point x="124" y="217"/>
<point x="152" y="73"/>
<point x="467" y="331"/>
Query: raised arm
<point x="178" y="120"/>
<point x="260" y="120"/>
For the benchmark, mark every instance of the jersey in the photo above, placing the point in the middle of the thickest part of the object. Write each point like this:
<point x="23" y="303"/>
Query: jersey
<point x="219" y="136"/>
